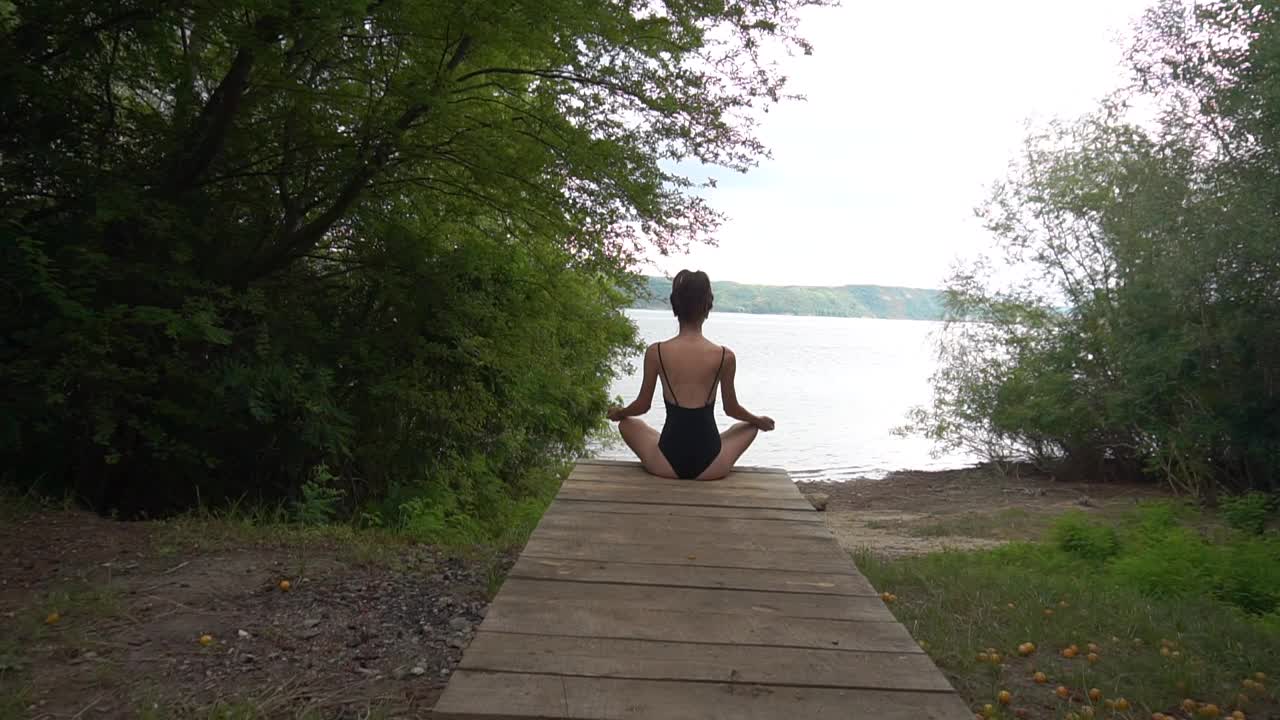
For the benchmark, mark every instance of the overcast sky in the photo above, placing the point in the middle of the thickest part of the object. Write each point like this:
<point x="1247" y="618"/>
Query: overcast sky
<point x="913" y="110"/>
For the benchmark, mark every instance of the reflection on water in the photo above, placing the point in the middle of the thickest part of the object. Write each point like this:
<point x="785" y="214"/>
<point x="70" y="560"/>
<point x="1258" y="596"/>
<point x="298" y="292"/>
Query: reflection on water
<point x="836" y="387"/>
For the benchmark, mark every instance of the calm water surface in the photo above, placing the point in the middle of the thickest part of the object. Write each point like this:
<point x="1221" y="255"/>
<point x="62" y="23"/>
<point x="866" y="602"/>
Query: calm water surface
<point x="836" y="387"/>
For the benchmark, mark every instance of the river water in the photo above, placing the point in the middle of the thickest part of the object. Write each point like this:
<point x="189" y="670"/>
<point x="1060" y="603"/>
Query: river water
<point x="836" y="387"/>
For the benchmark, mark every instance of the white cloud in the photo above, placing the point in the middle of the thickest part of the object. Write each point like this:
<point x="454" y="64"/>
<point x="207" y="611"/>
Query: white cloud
<point x="913" y="110"/>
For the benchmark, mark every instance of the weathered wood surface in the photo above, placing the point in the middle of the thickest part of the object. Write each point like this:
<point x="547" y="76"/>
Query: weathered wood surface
<point x="645" y="599"/>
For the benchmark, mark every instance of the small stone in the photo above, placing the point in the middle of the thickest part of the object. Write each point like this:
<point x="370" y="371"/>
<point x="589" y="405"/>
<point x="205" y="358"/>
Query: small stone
<point x="91" y="655"/>
<point x="418" y="670"/>
<point x="457" y="642"/>
<point x="244" y="635"/>
<point x="311" y="622"/>
<point x="819" y="501"/>
<point x="444" y="672"/>
<point x="460" y="624"/>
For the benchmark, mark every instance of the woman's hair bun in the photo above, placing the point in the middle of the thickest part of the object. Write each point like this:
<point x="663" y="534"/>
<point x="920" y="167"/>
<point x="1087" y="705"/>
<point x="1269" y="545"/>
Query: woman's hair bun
<point x="691" y="296"/>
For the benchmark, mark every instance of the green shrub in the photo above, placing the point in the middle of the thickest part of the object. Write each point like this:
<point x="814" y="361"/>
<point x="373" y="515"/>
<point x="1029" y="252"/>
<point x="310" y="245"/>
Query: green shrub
<point x="1074" y="534"/>
<point x="1247" y="513"/>
<point x="320" y="500"/>
<point x="1246" y="574"/>
<point x="1175" y="566"/>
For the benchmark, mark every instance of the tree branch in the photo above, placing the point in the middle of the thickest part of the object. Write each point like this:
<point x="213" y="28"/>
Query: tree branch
<point x="209" y="134"/>
<point x="376" y="159"/>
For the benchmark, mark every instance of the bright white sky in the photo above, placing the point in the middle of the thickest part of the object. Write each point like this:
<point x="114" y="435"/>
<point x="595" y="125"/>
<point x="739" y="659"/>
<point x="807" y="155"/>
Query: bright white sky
<point x="913" y="110"/>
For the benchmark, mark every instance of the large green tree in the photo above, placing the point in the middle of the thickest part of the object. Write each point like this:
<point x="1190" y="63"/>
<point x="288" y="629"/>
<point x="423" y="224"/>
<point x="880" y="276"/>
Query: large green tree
<point x="1145" y="339"/>
<point x="243" y="240"/>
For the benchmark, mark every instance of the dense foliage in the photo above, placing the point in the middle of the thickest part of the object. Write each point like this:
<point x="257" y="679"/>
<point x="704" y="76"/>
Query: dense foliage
<point x="372" y="249"/>
<point x="866" y="301"/>
<point x="1145" y="340"/>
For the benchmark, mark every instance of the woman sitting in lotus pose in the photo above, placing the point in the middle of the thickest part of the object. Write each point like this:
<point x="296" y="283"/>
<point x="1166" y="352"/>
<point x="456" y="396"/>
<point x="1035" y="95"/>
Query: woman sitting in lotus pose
<point x="691" y="366"/>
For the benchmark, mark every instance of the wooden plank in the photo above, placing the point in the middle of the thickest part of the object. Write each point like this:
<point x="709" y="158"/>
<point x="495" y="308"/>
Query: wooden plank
<point x="630" y="623"/>
<point x="570" y="596"/>
<point x="506" y="696"/>
<point x="561" y="519"/>
<point x="760" y="514"/>
<point x="694" y="554"/>
<point x="624" y="536"/>
<point x="683" y="488"/>
<point x="652" y="599"/>
<point x="605" y="493"/>
<point x="639" y="659"/>
<point x="708" y="577"/>
<point x="635" y="466"/>
<point x="733" y="481"/>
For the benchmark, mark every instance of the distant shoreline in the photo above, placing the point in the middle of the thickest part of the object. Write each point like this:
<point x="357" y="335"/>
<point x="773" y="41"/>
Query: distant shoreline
<point x="851" y="301"/>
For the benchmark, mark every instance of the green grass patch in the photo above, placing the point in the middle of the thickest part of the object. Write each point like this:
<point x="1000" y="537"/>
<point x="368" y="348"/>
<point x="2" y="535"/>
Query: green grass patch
<point x="1174" y="614"/>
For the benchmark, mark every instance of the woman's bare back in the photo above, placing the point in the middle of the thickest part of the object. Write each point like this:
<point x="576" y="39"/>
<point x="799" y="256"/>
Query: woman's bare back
<point x="691" y="366"/>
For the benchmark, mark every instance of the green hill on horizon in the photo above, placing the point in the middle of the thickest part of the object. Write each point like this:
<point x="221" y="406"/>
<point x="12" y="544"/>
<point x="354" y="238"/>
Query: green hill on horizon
<point x="860" y="301"/>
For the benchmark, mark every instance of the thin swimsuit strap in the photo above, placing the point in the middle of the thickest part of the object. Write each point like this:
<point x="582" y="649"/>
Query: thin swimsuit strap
<point x="711" y="396"/>
<point x="663" y="369"/>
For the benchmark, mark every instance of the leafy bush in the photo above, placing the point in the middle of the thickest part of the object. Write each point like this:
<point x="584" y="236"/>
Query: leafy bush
<point x="1248" y="512"/>
<point x="320" y="500"/>
<point x="1175" y="566"/>
<point x="1075" y="534"/>
<point x="1246" y="574"/>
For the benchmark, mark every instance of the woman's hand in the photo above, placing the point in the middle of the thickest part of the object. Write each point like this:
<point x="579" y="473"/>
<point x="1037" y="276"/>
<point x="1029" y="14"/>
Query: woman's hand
<point x="765" y="423"/>
<point x="616" y="414"/>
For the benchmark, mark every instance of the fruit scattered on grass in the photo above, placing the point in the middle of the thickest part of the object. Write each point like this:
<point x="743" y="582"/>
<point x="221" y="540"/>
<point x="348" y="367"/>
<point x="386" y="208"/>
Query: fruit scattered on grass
<point x="1095" y="694"/>
<point x="1004" y="697"/>
<point x="206" y="640"/>
<point x="52" y="618"/>
<point x="285" y="585"/>
<point x="1062" y="692"/>
<point x="1040" y="678"/>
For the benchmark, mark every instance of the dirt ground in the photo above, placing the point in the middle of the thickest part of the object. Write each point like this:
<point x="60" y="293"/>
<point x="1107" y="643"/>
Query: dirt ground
<point x="351" y="637"/>
<point x="911" y="513"/>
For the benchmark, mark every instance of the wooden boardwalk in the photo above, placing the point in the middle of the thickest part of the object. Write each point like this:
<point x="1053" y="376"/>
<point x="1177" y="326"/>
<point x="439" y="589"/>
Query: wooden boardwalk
<point x="652" y="599"/>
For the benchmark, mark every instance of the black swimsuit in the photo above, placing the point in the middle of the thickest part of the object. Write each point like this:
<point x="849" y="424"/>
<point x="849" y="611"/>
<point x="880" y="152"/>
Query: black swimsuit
<point x="690" y="440"/>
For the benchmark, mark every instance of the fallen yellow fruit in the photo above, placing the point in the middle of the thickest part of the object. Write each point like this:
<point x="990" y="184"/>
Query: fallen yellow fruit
<point x="52" y="618"/>
<point x="1210" y="711"/>
<point x="1092" y="657"/>
<point x="285" y="585"/>
<point x="1062" y="692"/>
<point x="1095" y="694"/>
<point x="1040" y="678"/>
<point x="206" y="640"/>
<point x="1005" y="697"/>
<point x="1122" y="704"/>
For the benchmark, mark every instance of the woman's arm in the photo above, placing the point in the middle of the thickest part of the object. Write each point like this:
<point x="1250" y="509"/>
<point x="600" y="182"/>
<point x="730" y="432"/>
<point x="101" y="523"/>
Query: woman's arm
<point x="644" y="399"/>
<point x="729" y="396"/>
